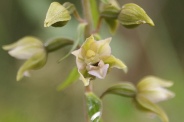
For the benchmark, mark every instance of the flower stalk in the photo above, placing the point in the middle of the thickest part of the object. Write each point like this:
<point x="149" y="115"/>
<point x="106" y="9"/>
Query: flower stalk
<point x="87" y="17"/>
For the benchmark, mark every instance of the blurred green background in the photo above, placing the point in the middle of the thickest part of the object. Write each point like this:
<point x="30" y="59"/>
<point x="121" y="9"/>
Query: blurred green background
<point x="146" y="50"/>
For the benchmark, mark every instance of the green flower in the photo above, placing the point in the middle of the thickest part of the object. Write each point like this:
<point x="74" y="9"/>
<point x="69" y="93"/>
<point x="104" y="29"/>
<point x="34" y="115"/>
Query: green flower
<point x="94" y="59"/>
<point x="30" y="49"/>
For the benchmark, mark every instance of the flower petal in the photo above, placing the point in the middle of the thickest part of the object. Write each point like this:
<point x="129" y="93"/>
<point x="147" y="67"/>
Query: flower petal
<point x="145" y="104"/>
<point x="104" y="48"/>
<point x="150" y="82"/>
<point x="99" y="71"/>
<point x="158" y="95"/>
<point x="23" y="41"/>
<point x="85" y="80"/>
<point x="87" y="44"/>
<point x="76" y="52"/>
<point x="35" y="62"/>
<point x="24" y="52"/>
<point x="24" y="48"/>
<point x="114" y="62"/>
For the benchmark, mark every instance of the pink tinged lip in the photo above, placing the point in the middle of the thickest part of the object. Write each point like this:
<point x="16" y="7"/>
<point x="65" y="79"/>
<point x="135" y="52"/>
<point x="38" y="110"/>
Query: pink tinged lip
<point x="99" y="71"/>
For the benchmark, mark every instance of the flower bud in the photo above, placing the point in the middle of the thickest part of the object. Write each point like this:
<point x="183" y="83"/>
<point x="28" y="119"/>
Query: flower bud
<point x="24" y="48"/>
<point x="132" y="15"/>
<point x="151" y="90"/>
<point x="154" y="89"/>
<point x="30" y="49"/>
<point x="57" y="15"/>
<point x="110" y="9"/>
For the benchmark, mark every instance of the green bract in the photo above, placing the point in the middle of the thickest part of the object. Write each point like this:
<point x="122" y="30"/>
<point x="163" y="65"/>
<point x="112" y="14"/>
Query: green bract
<point x="94" y="59"/>
<point x="132" y="15"/>
<point x="57" y="15"/>
<point x="94" y="107"/>
<point x="30" y="49"/>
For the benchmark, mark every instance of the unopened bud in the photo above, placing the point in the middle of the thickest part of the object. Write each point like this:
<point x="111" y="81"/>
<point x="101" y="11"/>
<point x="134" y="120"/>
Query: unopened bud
<point x="110" y="9"/>
<point x="132" y="15"/>
<point x="57" y="15"/>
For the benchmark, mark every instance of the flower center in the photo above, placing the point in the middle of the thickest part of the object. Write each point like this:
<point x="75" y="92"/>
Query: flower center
<point x="90" y="54"/>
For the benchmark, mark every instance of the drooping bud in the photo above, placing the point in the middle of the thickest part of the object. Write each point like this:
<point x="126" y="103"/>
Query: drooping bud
<point x="57" y="15"/>
<point x="132" y="15"/>
<point x="151" y="90"/>
<point x="155" y="89"/>
<point x="110" y="9"/>
<point x="30" y="49"/>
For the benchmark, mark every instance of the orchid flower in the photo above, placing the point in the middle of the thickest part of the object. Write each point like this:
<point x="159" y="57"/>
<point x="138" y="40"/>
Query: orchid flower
<point x="94" y="59"/>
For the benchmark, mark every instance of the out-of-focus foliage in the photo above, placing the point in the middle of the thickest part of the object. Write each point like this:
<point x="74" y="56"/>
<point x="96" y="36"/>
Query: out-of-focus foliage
<point x="146" y="51"/>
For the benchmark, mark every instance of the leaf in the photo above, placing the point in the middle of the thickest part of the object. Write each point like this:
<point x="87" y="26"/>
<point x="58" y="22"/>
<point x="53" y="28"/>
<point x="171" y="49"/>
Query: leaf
<point x="94" y="106"/>
<point x="94" y="11"/>
<point x="72" y="77"/>
<point x="57" y="15"/>
<point x="148" y="105"/>
<point x="123" y="89"/>
<point x="80" y="30"/>
<point x="57" y="43"/>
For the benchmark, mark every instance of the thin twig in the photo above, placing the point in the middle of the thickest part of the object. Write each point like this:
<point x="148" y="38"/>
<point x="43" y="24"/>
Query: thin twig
<point x="78" y="17"/>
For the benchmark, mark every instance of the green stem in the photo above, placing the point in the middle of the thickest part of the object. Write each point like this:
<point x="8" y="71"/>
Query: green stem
<point x="77" y="16"/>
<point x="87" y="16"/>
<point x="97" y="29"/>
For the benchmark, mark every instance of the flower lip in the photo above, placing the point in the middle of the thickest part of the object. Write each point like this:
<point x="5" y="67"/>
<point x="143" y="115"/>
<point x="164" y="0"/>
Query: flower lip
<point x="99" y="71"/>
